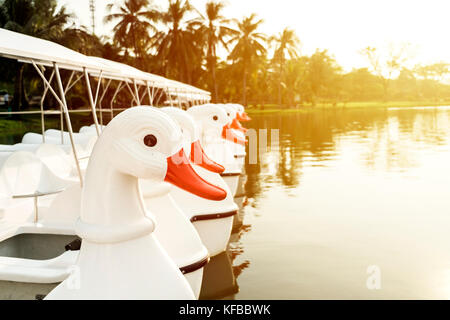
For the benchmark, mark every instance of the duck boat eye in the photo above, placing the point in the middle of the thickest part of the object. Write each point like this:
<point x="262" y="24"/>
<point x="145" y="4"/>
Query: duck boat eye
<point x="150" y="140"/>
<point x="215" y="118"/>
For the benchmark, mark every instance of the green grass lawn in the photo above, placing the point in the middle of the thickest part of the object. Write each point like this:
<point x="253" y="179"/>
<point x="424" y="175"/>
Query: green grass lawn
<point x="272" y="108"/>
<point x="13" y="129"/>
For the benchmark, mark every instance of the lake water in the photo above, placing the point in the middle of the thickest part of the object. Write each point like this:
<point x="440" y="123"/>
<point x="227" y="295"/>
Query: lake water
<point x="348" y="195"/>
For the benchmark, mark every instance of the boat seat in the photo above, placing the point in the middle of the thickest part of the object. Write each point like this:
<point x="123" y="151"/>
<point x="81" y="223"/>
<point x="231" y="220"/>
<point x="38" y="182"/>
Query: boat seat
<point x="37" y="271"/>
<point x="20" y="173"/>
<point x="80" y="138"/>
<point x="24" y="178"/>
<point x="18" y="147"/>
<point x="83" y="143"/>
<point x="60" y="162"/>
<point x="57" y="160"/>
<point x="91" y="129"/>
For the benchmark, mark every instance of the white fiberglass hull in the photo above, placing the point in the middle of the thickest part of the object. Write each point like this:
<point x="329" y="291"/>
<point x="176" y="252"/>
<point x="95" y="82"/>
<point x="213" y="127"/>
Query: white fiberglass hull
<point x="216" y="233"/>
<point x="232" y="180"/>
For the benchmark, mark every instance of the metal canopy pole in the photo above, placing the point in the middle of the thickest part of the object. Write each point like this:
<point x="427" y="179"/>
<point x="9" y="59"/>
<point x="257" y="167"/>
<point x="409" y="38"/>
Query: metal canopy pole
<point x="55" y="95"/>
<point x="143" y="94"/>
<point x="178" y="98"/>
<point x="161" y="92"/>
<point x="69" y="82"/>
<point x="170" y="97"/>
<point x="91" y="99"/>
<point x="153" y="92"/>
<point x="42" y="105"/>
<point x="119" y="87"/>
<point x="136" y="92"/>
<point x="63" y="104"/>
<point x="70" y="85"/>
<point x="191" y="100"/>
<point x="132" y="94"/>
<point x="105" y="89"/>
<point x="150" y="97"/>
<point x="68" y="123"/>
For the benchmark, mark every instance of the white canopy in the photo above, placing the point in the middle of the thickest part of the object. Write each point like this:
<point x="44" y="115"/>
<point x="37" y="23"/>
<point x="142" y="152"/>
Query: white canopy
<point x="126" y="72"/>
<point x="43" y="52"/>
<point x="26" y="48"/>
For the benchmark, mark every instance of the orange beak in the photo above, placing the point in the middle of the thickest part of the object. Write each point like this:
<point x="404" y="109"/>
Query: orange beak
<point x="199" y="157"/>
<point x="237" y="125"/>
<point x="181" y="174"/>
<point x="243" y="117"/>
<point x="229" y="135"/>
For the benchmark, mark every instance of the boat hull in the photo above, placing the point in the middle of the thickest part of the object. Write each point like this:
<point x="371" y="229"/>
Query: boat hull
<point x="195" y="281"/>
<point x="215" y="233"/>
<point x="232" y="180"/>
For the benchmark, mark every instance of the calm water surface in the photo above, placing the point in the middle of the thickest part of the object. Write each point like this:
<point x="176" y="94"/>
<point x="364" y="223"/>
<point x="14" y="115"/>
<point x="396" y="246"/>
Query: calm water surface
<point x="344" y="190"/>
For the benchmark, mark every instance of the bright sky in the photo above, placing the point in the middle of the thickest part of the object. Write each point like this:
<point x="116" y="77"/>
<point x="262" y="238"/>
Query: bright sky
<point x="343" y="27"/>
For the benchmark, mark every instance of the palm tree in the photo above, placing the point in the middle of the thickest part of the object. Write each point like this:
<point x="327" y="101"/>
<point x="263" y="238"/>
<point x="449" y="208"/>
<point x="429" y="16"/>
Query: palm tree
<point x="249" y="45"/>
<point x="216" y="31"/>
<point x="178" y="49"/>
<point x="286" y="46"/>
<point x="81" y="40"/>
<point x="135" y="20"/>
<point x="38" y="18"/>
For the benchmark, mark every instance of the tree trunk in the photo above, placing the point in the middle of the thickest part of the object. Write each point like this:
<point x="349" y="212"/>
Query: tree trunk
<point x="19" y="94"/>
<point x="280" y="101"/>
<point x="214" y="80"/>
<point x="211" y="60"/>
<point x="135" y="47"/>
<point x="244" y="87"/>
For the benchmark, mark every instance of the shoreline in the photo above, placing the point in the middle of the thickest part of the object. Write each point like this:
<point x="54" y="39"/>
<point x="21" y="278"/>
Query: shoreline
<point x="272" y="108"/>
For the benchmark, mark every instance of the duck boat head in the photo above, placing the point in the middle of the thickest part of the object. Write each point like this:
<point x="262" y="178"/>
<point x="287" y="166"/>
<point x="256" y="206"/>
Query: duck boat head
<point x="232" y="114"/>
<point x="193" y="147"/>
<point x="241" y="115"/>
<point x="215" y="123"/>
<point x="120" y="258"/>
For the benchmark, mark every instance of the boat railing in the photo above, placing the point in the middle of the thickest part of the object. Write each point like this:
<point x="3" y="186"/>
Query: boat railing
<point x="36" y="195"/>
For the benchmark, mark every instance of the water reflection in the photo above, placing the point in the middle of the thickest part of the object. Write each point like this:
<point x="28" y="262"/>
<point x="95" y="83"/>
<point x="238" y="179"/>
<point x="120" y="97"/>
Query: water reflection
<point x="219" y="281"/>
<point x="347" y="189"/>
<point x="221" y="273"/>
<point x="385" y="139"/>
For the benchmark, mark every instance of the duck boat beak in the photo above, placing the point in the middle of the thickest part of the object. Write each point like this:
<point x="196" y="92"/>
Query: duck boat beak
<point x="236" y="125"/>
<point x="243" y="117"/>
<point x="199" y="157"/>
<point x="229" y="135"/>
<point x="181" y="174"/>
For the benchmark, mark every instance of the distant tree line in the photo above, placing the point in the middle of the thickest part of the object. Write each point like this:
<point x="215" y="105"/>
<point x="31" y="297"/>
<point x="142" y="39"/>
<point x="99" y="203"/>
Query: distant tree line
<point x="183" y="42"/>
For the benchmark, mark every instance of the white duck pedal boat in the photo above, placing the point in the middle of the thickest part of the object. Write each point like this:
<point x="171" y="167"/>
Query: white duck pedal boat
<point x="212" y="121"/>
<point x="212" y="219"/>
<point x="120" y="257"/>
<point x="32" y="253"/>
<point x="192" y="255"/>
<point x="241" y="115"/>
<point x="234" y="134"/>
<point x="176" y="233"/>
